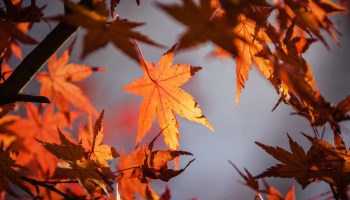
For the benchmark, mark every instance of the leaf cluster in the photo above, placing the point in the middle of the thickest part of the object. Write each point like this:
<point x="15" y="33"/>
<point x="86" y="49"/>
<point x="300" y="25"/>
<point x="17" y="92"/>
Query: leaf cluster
<point x="244" y="30"/>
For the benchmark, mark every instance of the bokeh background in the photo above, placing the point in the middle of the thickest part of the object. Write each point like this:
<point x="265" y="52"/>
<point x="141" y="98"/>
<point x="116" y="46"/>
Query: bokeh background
<point x="236" y="129"/>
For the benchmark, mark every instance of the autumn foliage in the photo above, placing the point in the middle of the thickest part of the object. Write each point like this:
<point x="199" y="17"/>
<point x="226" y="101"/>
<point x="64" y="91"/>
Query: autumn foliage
<point x="52" y="145"/>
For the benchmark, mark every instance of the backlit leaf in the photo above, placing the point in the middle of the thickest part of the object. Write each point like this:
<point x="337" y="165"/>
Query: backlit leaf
<point x="57" y="84"/>
<point x="39" y="126"/>
<point x="92" y="142"/>
<point x="163" y="98"/>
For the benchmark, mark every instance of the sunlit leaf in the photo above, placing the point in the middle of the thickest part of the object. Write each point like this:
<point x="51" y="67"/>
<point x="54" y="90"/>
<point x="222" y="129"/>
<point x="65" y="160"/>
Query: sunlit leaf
<point x="163" y="98"/>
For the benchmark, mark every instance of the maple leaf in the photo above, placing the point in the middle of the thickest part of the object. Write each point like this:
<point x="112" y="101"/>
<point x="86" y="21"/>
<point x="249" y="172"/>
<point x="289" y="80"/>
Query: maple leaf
<point x="165" y="196"/>
<point x="249" y="179"/>
<point x="293" y="79"/>
<point x="129" y="187"/>
<point x="294" y="165"/>
<point x="42" y="127"/>
<point x="322" y="161"/>
<point x="274" y="194"/>
<point x="9" y="174"/>
<point x="10" y="35"/>
<point x="251" y="39"/>
<point x="154" y="164"/>
<point x="15" y="12"/>
<point x="8" y="139"/>
<point x="290" y="53"/>
<point x="58" y="85"/>
<point x="247" y="52"/>
<point x="202" y="25"/>
<point x="163" y="97"/>
<point x="271" y="192"/>
<point x="15" y="22"/>
<point x="6" y="109"/>
<point x="308" y="102"/>
<point x="100" y="32"/>
<point x="5" y="71"/>
<point x="312" y="16"/>
<point x="66" y="151"/>
<point x="90" y="174"/>
<point x="249" y="8"/>
<point x="92" y="139"/>
<point x="333" y="162"/>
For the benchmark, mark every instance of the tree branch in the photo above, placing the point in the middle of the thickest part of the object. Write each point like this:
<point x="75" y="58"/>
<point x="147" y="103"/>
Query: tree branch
<point x="36" y="59"/>
<point x="335" y="194"/>
<point x="43" y="184"/>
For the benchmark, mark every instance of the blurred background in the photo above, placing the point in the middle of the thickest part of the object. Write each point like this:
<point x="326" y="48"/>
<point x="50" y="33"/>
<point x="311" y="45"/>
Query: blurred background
<point x="236" y="129"/>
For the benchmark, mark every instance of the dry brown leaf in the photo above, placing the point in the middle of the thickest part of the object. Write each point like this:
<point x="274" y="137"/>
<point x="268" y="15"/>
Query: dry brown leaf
<point x="100" y="32"/>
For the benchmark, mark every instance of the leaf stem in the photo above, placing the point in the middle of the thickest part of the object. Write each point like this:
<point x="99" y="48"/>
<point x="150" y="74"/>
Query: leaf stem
<point x="142" y="59"/>
<point x="135" y="167"/>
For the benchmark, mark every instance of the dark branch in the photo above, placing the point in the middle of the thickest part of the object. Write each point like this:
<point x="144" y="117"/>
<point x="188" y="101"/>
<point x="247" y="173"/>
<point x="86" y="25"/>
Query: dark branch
<point x="36" y="59"/>
<point x="45" y="185"/>
<point x="335" y="194"/>
<point x="57" y="182"/>
<point x="31" y="98"/>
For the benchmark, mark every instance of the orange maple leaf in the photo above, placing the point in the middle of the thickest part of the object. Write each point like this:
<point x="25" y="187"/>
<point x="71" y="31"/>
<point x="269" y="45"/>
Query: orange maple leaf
<point x="16" y="20"/>
<point x="5" y="72"/>
<point x="163" y="97"/>
<point x="247" y="50"/>
<point x="42" y="127"/>
<point x="274" y="194"/>
<point x="317" y="19"/>
<point x="10" y="35"/>
<point x="6" y="109"/>
<point x="91" y="140"/>
<point x="58" y="83"/>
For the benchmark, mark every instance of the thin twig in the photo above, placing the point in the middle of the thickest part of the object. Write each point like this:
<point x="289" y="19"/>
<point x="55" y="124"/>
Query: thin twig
<point x="335" y="194"/>
<point x="37" y="191"/>
<point x="43" y="184"/>
<point x="321" y="195"/>
<point x="135" y="167"/>
<point x="258" y="196"/>
<point x="57" y="182"/>
<point x="323" y="131"/>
